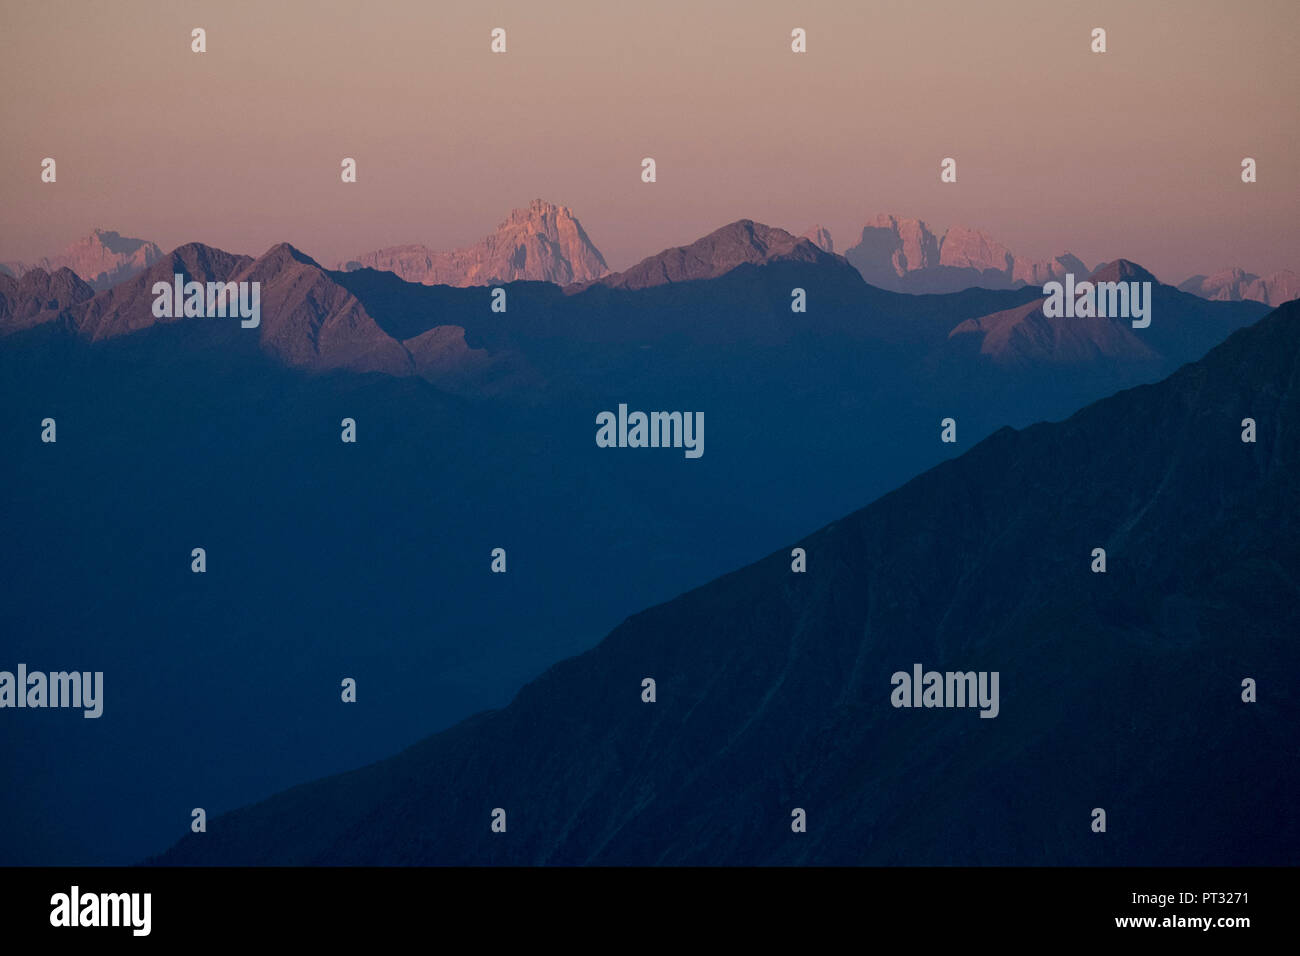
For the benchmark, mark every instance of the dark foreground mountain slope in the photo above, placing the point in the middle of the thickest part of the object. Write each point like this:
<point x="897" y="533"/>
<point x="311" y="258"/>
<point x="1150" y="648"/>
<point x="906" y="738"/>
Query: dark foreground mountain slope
<point x="1119" y="690"/>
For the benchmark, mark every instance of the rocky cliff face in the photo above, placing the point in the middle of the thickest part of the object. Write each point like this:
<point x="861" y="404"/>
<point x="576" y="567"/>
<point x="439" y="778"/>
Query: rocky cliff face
<point x="102" y="259"/>
<point x="890" y="248"/>
<point x="964" y="248"/>
<point x="542" y="242"/>
<point x="905" y="255"/>
<point x="1235" y="285"/>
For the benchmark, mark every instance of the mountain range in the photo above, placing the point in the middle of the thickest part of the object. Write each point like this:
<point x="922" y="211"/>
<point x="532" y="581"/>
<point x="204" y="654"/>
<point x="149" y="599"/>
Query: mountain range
<point x="476" y="430"/>
<point x="367" y="320"/>
<point x="1235" y="285"/>
<point x="542" y="243"/>
<point x="905" y="255"/>
<point x="545" y="242"/>
<point x="1119" y="690"/>
<point x="102" y="259"/>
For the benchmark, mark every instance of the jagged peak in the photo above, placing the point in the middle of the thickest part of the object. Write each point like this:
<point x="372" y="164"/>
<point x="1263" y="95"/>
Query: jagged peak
<point x="543" y="241"/>
<point x="889" y="220"/>
<point x="743" y="242"/>
<point x="1121" y="270"/>
<point x="537" y="209"/>
<point x="283" y="253"/>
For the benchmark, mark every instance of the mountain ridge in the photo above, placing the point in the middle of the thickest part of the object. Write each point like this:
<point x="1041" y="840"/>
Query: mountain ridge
<point x="372" y="321"/>
<point x="743" y="242"/>
<point x="487" y="438"/>
<point x="1234" y="284"/>
<point x="102" y="259"/>
<point x="905" y="255"/>
<point x="773" y="687"/>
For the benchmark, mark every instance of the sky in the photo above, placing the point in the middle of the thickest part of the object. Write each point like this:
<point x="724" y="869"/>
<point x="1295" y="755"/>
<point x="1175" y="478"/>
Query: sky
<point x="1135" y="152"/>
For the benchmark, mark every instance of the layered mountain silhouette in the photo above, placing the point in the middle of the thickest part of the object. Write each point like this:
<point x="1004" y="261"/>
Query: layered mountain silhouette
<point x="102" y="259"/>
<point x="1235" y="284"/>
<point x="308" y="321"/>
<point x="545" y="242"/>
<point x="1119" y="690"/>
<point x="39" y="297"/>
<point x="905" y="255"/>
<point x="1025" y="335"/>
<point x="542" y="242"/>
<point x="128" y="306"/>
<point x="476" y="430"/>
<point x="365" y="320"/>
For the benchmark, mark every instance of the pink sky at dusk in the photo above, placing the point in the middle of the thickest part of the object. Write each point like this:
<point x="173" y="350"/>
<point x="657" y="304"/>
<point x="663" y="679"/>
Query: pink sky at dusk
<point x="1134" y="153"/>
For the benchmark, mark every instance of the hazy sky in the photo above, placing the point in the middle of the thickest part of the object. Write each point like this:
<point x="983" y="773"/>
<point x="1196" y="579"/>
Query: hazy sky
<point x="1135" y="152"/>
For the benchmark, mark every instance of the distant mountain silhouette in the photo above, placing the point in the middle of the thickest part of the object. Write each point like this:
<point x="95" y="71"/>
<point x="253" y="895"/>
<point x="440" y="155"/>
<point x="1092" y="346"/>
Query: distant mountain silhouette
<point x="1025" y="336"/>
<point x="128" y="306"/>
<point x="1118" y="690"/>
<point x="102" y="259"/>
<point x="370" y="320"/>
<point x="39" y="297"/>
<point x="904" y="255"/>
<point x="542" y="242"/>
<point x="308" y="319"/>
<point x="1235" y="285"/>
